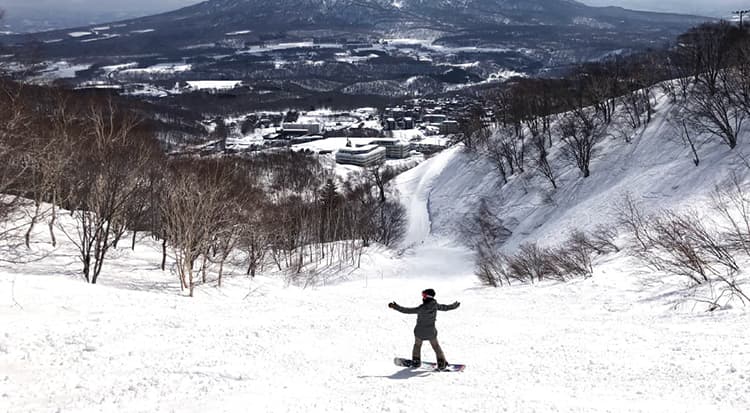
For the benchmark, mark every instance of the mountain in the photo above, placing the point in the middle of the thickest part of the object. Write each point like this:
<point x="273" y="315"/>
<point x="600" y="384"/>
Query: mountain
<point x="210" y="21"/>
<point x="320" y="52"/>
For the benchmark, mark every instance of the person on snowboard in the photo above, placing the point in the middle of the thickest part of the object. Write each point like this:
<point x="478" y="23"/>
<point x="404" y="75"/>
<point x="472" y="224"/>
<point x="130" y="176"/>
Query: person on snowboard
<point x="425" y="328"/>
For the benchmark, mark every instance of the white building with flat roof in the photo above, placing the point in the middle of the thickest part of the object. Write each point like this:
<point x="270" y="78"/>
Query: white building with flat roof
<point x="364" y="156"/>
<point x="308" y="128"/>
<point x="394" y="148"/>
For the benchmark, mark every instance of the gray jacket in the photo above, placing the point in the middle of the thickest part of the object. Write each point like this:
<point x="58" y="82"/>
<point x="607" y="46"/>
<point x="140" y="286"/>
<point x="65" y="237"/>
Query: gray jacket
<point x="426" y="314"/>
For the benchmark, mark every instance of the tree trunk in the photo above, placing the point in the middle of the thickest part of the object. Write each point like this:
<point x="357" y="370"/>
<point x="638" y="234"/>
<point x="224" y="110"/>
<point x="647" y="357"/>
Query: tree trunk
<point x="164" y="254"/>
<point x="27" y="236"/>
<point x="203" y="268"/>
<point x="86" y="266"/>
<point x="221" y="269"/>
<point x="52" y="219"/>
<point x="100" y="252"/>
<point x="192" y="284"/>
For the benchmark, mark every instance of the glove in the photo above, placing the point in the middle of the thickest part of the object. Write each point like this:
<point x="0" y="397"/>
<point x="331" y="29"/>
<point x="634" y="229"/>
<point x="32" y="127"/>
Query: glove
<point x="392" y="304"/>
<point x="457" y="304"/>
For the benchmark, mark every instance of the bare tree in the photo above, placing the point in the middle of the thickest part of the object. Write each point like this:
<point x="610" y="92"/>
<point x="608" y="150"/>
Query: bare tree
<point x="392" y="223"/>
<point x="193" y="212"/>
<point x="114" y="152"/>
<point x="599" y="84"/>
<point x="238" y="224"/>
<point x="714" y="110"/>
<point x="497" y="157"/>
<point x="684" y="246"/>
<point x="254" y="240"/>
<point x="706" y="50"/>
<point x="740" y="76"/>
<point x="732" y="201"/>
<point x="50" y="155"/>
<point x="570" y="260"/>
<point x="580" y="132"/>
<point x="508" y="145"/>
<point x="532" y="263"/>
<point x="474" y="131"/>
<point x="630" y="216"/>
<point x="634" y="105"/>
<point x="491" y="266"/>
<point x="15" y="116"/>
<point x="486" y="232"/>
<point x="713" y="55"/>
<point x="602" y="239"/>
<point x="541" y="159"/>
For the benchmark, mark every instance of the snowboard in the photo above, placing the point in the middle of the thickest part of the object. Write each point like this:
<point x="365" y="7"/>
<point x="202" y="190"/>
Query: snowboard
<point x="428" y="365"/>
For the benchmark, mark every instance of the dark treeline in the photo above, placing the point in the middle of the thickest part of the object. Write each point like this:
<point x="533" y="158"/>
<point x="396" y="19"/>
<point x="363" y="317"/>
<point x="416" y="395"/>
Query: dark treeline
<point x="98" y="157"/>
<point x="275" y="98"/>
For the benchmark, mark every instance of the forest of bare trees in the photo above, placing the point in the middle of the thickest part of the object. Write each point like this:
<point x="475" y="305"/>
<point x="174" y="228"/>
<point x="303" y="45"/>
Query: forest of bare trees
<point x="706" y="74"/>
<point x="97" y="158"/>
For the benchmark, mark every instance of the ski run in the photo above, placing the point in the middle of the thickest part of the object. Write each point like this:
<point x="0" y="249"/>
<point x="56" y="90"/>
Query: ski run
<point x="627" y="339"/>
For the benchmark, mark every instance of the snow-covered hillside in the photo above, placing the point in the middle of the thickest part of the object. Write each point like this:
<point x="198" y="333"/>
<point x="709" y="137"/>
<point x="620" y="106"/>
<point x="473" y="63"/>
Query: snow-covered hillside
<point x="655" y="168"/>
<point x="614" y="342"/>
<point x="135" y="344"/>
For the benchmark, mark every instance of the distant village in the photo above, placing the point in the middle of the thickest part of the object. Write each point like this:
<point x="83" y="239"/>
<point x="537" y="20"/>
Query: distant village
<point x="361" y="137"/>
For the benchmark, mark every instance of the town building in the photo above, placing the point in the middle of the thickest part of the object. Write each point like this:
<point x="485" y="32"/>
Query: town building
<point x="434" y="118"/>
<point x="364" y="156"/>
<point x="449" y="127"/>
<point x="408" y="123"/>
<point x="307" y="128"/>
<point x="394" y="148"/>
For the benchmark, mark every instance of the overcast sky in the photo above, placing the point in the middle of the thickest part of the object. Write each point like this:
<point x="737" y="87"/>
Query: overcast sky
<point x="37" y="15"/>
<point x="24" y="15"/>
<point x="718" y="8"/>
<point x="97" y="5"/>
<point x="163" y="5"/>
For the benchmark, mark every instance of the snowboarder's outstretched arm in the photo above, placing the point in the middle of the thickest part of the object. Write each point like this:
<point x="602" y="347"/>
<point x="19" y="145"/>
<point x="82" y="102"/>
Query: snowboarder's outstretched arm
<point x="448" y="307"/>
<point x="405" y="310"/>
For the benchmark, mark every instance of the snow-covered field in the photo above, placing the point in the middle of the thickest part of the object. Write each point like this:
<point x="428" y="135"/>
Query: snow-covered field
<point x="620" y="341"/>
<point x="160" y="68"/>
<point x="428" y="44"/>
<point x="80" y="34"/>
<point x="213" y="84"/>
<point x="288" y="45"/>
<point x="133" y="344"/>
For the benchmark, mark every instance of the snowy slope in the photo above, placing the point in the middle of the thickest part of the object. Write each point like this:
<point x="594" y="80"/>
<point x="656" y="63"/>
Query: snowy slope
<point x="655" y="168"/>
<point x="134" y="344"/>
<point x="610" y="343"/>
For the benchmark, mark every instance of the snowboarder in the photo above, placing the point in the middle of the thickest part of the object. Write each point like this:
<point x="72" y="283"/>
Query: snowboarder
<point x="425" y="328"/>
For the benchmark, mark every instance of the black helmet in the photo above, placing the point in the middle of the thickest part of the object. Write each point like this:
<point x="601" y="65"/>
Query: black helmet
<point x="428" y="293"/>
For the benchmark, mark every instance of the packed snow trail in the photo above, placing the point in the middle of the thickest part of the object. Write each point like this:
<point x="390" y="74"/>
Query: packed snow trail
<point x="586" y="346"/>
<point x="425" y="256"/>
<point x="414" y="187"/>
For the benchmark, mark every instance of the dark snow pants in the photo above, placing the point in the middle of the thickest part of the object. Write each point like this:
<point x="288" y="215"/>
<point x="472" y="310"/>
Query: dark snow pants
<point x="416" y="353"/>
